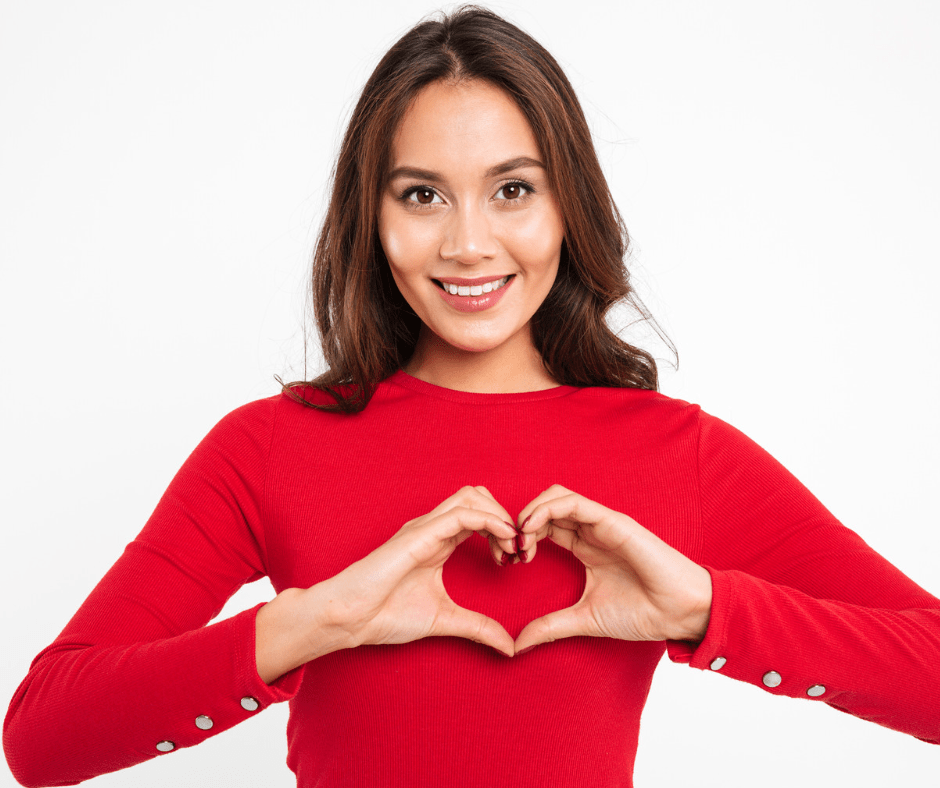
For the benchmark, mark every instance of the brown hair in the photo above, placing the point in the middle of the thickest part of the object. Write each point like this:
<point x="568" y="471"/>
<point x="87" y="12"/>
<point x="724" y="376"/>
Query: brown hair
<point x="367" y="329"/>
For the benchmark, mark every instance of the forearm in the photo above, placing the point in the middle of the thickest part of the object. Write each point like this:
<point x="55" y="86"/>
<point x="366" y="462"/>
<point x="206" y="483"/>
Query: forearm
<point x="87" y="710"/>
<point x="877" y="664"/>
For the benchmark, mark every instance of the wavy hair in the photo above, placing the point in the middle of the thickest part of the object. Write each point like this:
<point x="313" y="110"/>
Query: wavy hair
<point x="367" y="329"/>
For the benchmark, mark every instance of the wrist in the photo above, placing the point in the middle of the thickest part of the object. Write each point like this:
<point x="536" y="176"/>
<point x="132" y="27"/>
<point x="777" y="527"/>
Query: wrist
<point x="695" y="623"/>
<point x="293" y="629"/>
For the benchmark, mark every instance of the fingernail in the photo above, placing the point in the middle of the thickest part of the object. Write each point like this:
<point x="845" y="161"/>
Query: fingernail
<point x="523" y="556"/>
<point x="527" y="648"/>
<point x="518" y="543"/>
<point x="511" y="526"/>
<point x="525" y="521"/>
<point x="505" y="559"/>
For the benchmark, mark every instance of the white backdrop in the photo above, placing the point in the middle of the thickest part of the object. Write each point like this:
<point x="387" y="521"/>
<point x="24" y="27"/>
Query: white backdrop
<point x="162" y="170"/>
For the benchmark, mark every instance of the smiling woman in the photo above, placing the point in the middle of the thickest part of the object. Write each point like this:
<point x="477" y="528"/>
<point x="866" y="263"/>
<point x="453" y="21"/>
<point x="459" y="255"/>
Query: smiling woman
<point x="491" y="167"/>
<point x="484" y="524"/>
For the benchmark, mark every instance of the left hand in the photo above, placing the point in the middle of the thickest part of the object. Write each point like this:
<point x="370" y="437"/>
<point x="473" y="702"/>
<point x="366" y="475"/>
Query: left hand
<point x="637" y="586"/>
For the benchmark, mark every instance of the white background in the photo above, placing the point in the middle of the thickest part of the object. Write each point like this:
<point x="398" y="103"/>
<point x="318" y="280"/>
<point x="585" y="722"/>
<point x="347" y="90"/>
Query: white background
<point x="162" y="172"/>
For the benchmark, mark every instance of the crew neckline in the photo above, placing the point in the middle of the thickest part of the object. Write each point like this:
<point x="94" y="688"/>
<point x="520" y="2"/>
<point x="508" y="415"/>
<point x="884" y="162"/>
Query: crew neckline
<point x="402" y="378"/>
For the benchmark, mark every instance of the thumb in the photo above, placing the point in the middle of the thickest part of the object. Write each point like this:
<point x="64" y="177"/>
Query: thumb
<point x="565" y="623"/>
<point x="463" y="623"/>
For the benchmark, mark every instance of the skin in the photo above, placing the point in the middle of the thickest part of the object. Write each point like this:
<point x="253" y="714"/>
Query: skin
<point x="468" y="222"/>
<point x="481" y="206"/>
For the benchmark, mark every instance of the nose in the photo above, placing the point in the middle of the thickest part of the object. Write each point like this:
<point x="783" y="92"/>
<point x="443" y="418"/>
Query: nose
<point x="468" y="237"/>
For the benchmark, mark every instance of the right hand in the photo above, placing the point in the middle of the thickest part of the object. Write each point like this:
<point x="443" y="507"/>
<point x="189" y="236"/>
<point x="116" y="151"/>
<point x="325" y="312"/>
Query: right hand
<point x="396" y="593"/>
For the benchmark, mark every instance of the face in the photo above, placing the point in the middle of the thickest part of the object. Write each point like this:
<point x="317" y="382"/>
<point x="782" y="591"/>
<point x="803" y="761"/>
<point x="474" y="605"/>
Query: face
<point x="468" y="221"/>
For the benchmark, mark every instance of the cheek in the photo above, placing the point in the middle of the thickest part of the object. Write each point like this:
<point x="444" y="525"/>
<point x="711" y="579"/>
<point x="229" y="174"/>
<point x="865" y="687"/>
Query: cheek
<point x="536" y="242"/>
<point x="407" y="244"/>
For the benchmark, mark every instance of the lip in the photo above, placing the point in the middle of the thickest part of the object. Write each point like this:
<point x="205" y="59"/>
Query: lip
<point x="480" y="280"/>
<point x="474" y="303"/>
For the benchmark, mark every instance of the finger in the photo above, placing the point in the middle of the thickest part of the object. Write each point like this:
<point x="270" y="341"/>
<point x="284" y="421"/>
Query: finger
<point x="500" y="549"/>
<point x="497" y="506"/>
<point x="460" y="622"/>
<point x="555" y="491"/>
<point x="461" y="519"/>
<point x="569" y="622"/>
<point x="471" y="498"/>
<point x="575" y="512"/>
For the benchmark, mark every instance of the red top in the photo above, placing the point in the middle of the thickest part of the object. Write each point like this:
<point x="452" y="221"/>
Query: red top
<point x="802" y="606"/>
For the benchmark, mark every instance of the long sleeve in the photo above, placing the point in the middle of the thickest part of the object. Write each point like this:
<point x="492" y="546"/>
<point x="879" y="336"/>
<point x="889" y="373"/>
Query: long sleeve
<point x="801" y="605"/>
<point x="137" y="673"/>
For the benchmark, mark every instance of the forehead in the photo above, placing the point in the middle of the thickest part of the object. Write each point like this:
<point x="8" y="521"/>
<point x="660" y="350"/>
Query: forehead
<point x="465" y="125"/>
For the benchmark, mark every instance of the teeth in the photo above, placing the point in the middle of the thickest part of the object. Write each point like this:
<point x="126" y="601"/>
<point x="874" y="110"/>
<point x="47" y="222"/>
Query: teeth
<point x="475" y="290"/>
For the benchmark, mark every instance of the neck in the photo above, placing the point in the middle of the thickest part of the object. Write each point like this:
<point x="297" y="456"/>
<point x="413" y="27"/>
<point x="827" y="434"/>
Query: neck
<point x="513" y="367"/>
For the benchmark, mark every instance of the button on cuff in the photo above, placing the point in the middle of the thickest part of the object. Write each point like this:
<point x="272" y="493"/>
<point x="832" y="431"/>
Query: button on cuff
<point x="203" y="722"/>
<point x="772" y="679"/>
<point x="249" y="704"/>
<point x="816" y="690"/>
<point x="165" y="746"/>
<point x="717" y="663"/>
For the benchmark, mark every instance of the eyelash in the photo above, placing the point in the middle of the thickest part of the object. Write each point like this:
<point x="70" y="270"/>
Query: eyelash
<point x="405" y="196"/>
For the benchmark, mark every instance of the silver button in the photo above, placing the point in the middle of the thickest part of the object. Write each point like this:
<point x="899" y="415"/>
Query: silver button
<point x="165" y="746"/>
<point x="816" y="690"/>
<point x="772" y="679"/>
<point x="203" y="722"/>
<point x="718" y="663"/>
<point x="249" y="704"/>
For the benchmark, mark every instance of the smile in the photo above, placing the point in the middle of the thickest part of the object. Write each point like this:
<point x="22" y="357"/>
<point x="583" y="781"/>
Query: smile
<point x="472" y="290"/>
<point x="474" y="297"/>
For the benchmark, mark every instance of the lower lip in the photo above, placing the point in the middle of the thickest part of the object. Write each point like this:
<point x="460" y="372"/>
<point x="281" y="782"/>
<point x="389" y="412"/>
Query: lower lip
<point x="475" y="303"/>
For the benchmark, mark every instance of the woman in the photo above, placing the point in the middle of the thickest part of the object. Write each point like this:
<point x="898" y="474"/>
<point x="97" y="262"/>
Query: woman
<point x="526" y="421"/>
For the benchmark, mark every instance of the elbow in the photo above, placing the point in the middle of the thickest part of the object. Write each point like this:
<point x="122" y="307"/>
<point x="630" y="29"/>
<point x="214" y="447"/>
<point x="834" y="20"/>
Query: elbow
<point x="29" y="768"/>
<point x="33" y="759"/>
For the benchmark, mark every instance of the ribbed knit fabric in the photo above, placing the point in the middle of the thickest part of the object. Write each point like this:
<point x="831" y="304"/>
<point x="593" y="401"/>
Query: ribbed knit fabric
<point x="297" y="494"/>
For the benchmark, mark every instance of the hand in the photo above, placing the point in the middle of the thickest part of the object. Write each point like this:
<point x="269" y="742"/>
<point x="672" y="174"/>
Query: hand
<point x="396" y="593"/>
<point x="637" y="586"/>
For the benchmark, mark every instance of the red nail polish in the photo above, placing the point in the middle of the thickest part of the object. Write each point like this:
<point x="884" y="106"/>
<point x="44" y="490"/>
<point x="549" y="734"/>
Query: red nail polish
<point x="505" y="559"/>
<point x="518" y="543"/>
<point x="527" y="648"/>
<point x="523" y="556"/>
<point x="525" y="521"/>
<point x="511" y="526"/>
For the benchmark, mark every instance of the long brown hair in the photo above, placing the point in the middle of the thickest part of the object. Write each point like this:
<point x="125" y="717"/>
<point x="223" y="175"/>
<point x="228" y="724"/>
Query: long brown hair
<point x="367" y="329"/>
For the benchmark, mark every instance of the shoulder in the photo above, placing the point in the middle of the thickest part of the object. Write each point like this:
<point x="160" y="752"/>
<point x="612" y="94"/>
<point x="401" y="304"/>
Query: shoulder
<point x="640" y="407"/>
<point x="260" y="415"/>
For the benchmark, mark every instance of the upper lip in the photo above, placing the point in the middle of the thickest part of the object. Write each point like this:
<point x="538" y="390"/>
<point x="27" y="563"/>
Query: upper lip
<point x="480" y="280"/>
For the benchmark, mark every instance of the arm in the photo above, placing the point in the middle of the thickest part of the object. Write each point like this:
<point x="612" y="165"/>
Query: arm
<point x="801" y="605"/>
<point x="136" y="667"/>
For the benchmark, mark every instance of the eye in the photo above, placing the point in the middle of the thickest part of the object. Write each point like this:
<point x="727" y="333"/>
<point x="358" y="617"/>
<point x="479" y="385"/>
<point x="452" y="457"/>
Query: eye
<point x="421" y="195"/>
<point x="514" y="191"/>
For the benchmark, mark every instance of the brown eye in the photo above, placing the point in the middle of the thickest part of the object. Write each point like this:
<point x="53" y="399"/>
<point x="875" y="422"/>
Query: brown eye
<point x="423" y="196"/>
<point x="513" y="191"/>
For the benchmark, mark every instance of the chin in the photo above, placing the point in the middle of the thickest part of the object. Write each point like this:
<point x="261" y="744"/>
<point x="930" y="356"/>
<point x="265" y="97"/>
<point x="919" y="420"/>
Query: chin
<point x="473" y="345"/>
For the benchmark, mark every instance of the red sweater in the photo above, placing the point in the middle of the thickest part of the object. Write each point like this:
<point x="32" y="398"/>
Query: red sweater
<point x="802" y="606"/>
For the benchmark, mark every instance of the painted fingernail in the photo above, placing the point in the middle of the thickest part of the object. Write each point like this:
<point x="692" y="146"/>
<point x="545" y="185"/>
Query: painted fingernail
<point x="527" y="648"/>
<point x="525" y="521"/>
<point x="524" y="556"/>
<point x="507" y="557"/>
<point x="511" y="526"/>
<point x="518" y="543"/>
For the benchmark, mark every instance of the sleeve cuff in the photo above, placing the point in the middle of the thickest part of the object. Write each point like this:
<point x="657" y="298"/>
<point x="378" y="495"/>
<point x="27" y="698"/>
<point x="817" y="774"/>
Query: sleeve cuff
<point x="704" y="654"/>
<point x="284" y="688"/>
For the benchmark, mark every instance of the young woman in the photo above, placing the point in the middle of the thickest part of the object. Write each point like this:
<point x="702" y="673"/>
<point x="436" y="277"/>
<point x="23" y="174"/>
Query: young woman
<point x="483" y="523"/>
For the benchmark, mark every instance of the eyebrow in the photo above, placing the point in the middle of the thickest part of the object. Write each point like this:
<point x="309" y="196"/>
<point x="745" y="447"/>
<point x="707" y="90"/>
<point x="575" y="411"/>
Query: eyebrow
<point x="497" y="169"/>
